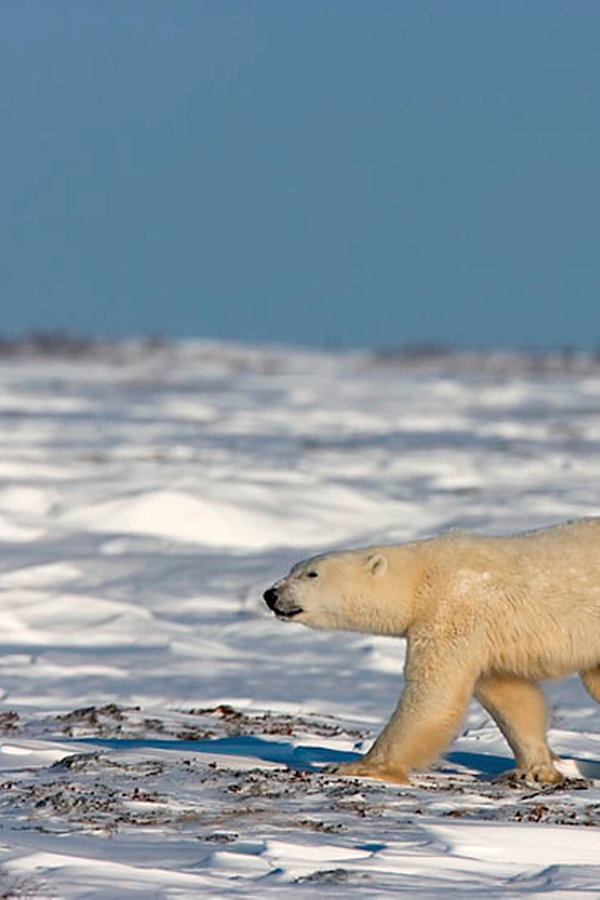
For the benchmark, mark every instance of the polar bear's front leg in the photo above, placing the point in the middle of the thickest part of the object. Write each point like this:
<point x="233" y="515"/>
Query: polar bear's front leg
<point x="519" y="708"/>
<point x="426" y="719"/>
<point x="591" y="682"/>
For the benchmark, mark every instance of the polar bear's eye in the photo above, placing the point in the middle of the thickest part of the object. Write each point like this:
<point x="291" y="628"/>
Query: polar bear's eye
<point x="312" y="574"/>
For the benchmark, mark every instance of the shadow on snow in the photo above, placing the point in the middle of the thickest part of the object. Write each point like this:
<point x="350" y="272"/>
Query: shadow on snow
<point x="304" y="758"/>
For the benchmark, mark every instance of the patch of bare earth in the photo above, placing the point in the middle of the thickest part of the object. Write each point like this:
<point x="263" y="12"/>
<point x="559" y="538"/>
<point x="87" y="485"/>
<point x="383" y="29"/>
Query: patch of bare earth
<point x="180" y="792"/>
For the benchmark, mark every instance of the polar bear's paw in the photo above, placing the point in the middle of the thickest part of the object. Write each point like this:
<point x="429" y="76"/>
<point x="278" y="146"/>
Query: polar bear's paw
<point x="543" y="773"/>
<point x="361" y="768"/>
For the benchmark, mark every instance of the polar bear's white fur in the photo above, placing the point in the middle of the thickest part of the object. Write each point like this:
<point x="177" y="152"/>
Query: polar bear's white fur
<point x="489" y="616"/>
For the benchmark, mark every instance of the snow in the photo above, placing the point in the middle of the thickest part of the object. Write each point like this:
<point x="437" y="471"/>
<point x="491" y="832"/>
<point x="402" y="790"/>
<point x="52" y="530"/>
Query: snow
<point x="161" y="734"/>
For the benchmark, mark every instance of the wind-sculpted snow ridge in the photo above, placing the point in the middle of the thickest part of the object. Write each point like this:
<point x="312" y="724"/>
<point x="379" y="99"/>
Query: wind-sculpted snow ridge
<point x="216" y="798"/>
<point x="160" y="734"/>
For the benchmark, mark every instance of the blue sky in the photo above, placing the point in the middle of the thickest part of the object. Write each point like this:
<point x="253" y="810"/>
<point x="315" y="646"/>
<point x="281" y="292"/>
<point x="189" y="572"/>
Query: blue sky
<point x="382" y="172"/>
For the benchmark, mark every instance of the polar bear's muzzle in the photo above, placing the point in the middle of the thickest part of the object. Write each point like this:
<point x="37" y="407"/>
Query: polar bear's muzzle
<point x="283" y="607"/>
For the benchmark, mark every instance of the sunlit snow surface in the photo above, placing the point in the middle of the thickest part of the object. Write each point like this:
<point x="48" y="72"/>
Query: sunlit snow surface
<point x="161" y="733"/>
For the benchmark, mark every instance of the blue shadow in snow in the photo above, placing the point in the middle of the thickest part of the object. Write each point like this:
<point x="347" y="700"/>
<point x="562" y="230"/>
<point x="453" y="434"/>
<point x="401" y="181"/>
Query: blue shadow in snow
<point x="486" y="765"/>
<point x="308" y="759"/>
<point x="304" y="758"/>
<point x="492" y="766"/>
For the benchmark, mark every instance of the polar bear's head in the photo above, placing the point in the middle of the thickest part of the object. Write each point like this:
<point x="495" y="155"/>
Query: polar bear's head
<point x="345" y="590"/>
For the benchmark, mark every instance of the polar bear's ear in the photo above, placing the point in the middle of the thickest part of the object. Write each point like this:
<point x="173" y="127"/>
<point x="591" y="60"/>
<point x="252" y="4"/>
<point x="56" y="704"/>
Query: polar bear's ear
<point x="376" y="564"/>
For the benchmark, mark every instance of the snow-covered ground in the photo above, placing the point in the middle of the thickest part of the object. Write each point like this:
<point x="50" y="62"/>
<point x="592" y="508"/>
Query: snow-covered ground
<point x="161" y="732"/>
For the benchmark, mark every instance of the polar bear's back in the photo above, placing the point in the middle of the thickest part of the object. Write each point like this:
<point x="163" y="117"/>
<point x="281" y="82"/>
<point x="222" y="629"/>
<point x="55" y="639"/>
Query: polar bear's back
<point x="577" y="531"/>
<point x="572" y="547"/>
<point x="536" y="595"/>
<point x="564" y="557"/>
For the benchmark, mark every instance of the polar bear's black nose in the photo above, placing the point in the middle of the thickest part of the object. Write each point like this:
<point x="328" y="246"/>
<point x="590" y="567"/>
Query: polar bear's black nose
<point x="270" y="597"/>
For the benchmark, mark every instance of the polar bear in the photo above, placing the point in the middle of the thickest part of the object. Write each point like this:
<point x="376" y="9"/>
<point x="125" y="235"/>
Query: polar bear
<point x="483" y="616"/>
